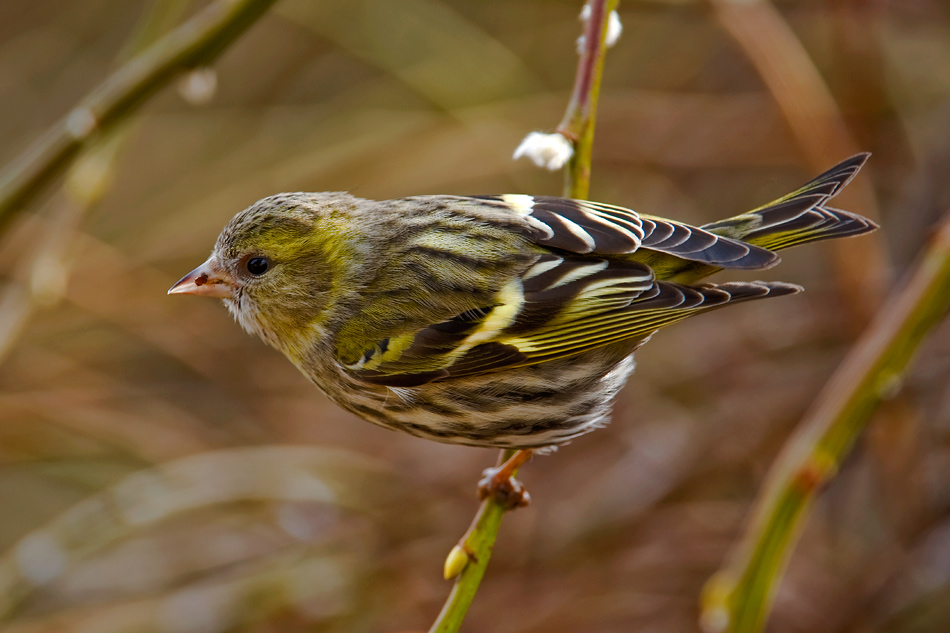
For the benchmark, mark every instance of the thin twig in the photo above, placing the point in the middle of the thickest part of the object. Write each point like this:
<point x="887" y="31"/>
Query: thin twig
<point x="472" y="555"/>
<point x="580" y="117"/>
<point x="469" y="559"/>
<point x="739" y="596"/>
<point x="194" y="43"/>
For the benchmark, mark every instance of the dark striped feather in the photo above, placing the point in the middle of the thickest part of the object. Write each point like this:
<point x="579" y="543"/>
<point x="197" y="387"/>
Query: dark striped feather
<point x="801" y="216"/>
<point x="672" y="303"/>
<point x="555" y="285"/>
<point x="699" y="245"/>
<point x="550" y="289"/>
<point x="583" y="227"/>
<point x="568" y="306"/>
<point x="793" y="222"/>
<point x="828" y="184"/>
<point x="420" y="362"/>
<point x="819" y="223"/>
<point x="575" y="226"/>
<point x="587" y="227"/>
<point x="777" y="215"/>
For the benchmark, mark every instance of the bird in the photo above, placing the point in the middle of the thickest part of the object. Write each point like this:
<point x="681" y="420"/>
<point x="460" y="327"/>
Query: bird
<point x="506" y="321"/>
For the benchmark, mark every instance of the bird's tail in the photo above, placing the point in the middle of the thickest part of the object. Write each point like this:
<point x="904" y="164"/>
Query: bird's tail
<point x="797" y="218"/>
<point x="801" y="216"/>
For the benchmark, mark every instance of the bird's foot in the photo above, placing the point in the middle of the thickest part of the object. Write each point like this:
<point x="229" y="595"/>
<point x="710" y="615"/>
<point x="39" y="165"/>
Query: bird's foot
<point x="507" y="491"/>
<point x="499" y="483"/>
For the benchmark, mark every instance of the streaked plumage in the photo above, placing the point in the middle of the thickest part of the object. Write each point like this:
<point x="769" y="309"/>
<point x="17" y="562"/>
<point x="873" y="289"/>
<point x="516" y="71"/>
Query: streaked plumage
<point x="506" y="321"/>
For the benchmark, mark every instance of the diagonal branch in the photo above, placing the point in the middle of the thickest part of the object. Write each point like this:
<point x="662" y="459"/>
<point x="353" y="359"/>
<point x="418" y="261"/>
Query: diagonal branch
<point x="87" y="181"/>
<point x="739" y="596"/>
<point x="194" y="43"/>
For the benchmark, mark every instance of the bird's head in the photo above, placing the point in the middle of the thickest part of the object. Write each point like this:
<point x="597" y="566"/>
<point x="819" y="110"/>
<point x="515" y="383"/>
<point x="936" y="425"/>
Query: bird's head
<point x="278" y="266"/>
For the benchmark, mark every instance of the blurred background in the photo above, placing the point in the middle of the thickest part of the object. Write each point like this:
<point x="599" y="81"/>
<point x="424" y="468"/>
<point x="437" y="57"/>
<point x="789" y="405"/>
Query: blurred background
<point x="162" y="471"/>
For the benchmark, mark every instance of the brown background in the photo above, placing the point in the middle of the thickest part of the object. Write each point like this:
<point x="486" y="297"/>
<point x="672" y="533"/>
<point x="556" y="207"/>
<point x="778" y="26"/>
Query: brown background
<point x="387" y="98"/>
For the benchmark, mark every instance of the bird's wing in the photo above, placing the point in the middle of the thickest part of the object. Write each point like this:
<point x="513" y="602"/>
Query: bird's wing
<point x="560" y="306"/>
<point x="583" y="227"/>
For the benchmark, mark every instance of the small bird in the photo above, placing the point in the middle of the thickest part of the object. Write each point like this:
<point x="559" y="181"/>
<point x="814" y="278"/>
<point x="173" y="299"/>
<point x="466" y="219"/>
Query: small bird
<point x="504" y="321"/>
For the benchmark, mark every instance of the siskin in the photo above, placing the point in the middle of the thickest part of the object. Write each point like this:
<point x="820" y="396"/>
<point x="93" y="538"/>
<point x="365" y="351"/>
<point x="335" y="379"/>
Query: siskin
<point x="498" y="321"/>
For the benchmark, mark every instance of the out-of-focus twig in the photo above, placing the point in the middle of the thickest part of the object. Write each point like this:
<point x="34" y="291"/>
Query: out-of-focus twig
<point x="862" y="268"/>
<point x="770" y="45"/>
<point x="194" y="43"/>
<point x="578" y="122"/>
<point x="468" y="560"/>
<point x="738" y="597"/>
<point x="47" y="268"/>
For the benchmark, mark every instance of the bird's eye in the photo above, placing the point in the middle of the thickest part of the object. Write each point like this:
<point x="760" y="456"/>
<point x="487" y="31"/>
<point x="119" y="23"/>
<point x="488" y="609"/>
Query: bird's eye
<point x="257" y="266"/>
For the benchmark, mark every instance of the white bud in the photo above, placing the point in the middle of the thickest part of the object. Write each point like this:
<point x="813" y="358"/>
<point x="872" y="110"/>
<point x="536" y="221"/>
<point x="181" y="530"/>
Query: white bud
<point x="81" y="122"/>
<point x="40" y="558"/>
<point x="714" y="620"/>
<point x="550" y="151"/>
<point x="614" y="29"/>
<point x="198" y="86"/>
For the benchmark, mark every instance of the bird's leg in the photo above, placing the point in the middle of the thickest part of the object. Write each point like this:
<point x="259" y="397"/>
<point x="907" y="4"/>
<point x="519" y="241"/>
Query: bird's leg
<point x="499" y="484"/>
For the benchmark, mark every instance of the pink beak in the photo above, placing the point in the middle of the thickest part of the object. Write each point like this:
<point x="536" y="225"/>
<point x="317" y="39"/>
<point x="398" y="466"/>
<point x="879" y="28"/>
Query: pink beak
<point x="208" y="280"/>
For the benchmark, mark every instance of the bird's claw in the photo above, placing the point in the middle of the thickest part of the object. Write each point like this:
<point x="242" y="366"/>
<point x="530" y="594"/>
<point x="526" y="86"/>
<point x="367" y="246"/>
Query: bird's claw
<point x="503" y="488"/>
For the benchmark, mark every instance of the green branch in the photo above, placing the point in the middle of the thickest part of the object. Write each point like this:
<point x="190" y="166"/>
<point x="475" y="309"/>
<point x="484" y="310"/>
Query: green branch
<point x="578" y="122"/>
<point x="468" y="560"/>
<point x="739" y="596"/>
<point x="87" y="181"/>
<point x="196" y="42"/>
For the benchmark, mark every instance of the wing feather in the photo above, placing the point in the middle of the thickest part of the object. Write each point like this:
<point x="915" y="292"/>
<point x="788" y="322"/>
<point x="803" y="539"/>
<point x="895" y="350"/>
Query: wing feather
<point x="582" y="227"/>
<point x="593" y="282"/>
<point x="585" y="227"/>
<point x="563" y="306"/>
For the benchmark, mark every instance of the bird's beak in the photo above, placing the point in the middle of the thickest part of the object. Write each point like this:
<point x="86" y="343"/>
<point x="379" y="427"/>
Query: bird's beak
<point x="208" y="280"/>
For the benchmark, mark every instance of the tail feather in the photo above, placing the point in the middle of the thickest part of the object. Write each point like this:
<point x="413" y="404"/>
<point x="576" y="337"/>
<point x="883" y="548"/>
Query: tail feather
<point x="819" y="223"/>
<point x="801" y="216"/>
<point x="827" y="184"/>
<point x="748" y="290"/>
<point x="798" y="218"/>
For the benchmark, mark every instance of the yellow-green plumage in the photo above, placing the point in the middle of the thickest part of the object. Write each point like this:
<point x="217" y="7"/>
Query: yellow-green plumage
<point x="491" y="320"/>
